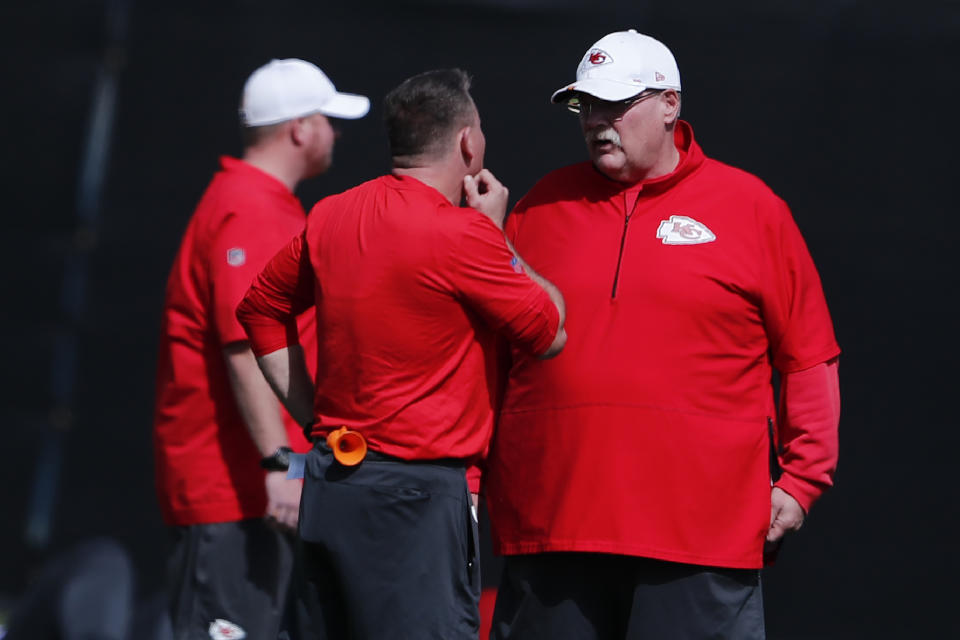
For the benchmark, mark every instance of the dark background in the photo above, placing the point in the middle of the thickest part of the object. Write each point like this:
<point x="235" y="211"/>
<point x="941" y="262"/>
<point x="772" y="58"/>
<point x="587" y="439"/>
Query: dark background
<point x="845" y="108"/>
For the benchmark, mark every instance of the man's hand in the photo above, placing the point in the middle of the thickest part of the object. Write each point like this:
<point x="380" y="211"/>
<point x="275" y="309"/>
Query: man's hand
<point x="283" y="500"/>
<point x="487" y="195"/>
<point x="786" y="514"/>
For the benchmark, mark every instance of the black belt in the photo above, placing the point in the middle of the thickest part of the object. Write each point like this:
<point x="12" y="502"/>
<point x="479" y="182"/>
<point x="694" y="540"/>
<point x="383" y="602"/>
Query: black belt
<point x="379" y="456"/>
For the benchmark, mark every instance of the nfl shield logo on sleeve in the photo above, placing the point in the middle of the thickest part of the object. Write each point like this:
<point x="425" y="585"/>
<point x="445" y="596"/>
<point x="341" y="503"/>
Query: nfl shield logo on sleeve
<point x="236" y="257"/>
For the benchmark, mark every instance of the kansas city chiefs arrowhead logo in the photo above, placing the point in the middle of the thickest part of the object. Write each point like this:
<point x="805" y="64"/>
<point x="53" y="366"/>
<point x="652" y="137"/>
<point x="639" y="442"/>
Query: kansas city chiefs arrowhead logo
<point x="598" y="56"/>
<point x="684" y="230"/>
<point x="591" y="59"/>
<point x="225" y="630"/>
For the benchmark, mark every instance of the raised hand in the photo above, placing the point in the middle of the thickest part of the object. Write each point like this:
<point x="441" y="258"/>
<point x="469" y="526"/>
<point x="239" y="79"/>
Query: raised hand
<point x="487" y="195"/>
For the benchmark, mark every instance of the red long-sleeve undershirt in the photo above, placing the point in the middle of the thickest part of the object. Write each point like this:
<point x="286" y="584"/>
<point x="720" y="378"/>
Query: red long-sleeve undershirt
<point x="807" y="431"/>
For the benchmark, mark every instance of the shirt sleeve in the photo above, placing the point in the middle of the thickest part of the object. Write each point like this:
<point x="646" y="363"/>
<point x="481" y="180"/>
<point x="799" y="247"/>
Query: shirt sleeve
<point x="281" y="292"/>
<point x="238" y="251"/>
<point x="807" y="430"/>
<point x="489" y="278"/>
<point x="795" y="315"/>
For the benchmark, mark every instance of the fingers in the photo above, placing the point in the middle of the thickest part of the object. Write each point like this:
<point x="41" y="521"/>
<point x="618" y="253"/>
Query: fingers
<point x="488" y="181"/>
<point x="283" y="516"/>
<point x="283" y="501"/>
<point x="785" y="515"/>
<point x="775" y="533"/>
<point x="775" y="530"/>
<point x="780" y="527"/>
<point x="290" y="518"/>
<point x="470" y="189"/>
<point x="487" y="195"/>
<point x="488" y="185"/>
<point x="483" y="185"/>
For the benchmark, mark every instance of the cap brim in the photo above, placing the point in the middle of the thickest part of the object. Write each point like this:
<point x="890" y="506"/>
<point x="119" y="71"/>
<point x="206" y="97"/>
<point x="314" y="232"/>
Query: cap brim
<point x="346" y="105"/>
<point x="599" y="88"/>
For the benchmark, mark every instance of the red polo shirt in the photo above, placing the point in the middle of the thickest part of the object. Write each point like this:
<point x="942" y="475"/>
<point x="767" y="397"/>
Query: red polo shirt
<point x="411" y="292"/>
<point x="647" y="435"/>
<point x="207" y="467"/>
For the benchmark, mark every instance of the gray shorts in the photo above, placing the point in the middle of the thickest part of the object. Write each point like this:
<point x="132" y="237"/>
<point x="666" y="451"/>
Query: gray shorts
<point x="593" y="596"/>
<point x="389" y="550"/>
<point x="226" y="575"/>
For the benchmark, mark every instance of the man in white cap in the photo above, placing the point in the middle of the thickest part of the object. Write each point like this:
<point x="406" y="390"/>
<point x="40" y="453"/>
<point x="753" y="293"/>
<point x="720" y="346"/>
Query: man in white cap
<point x="641" y="479"/>
<point x="220" y="436"/>
<point x="412" y="292"/>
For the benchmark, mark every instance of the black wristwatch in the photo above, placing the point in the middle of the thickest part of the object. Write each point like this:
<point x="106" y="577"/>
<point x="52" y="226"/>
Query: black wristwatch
<point x="279" y="461"/>
<point x="307" y="430"/>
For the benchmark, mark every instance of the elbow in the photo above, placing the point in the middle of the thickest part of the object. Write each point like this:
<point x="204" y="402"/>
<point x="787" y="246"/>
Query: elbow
<point x="561" y="308"/>
<point x="559" y="342"/>
<point x="245" y="312"/>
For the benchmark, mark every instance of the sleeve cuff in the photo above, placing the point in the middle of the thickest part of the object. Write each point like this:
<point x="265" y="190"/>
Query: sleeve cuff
<point x="542" y="323"/>
<point x="267" y="338"/>
<point x="803" y="492"/>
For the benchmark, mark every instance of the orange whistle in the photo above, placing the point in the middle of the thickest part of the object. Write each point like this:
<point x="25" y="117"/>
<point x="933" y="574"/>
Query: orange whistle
<point x="349" y="447"/>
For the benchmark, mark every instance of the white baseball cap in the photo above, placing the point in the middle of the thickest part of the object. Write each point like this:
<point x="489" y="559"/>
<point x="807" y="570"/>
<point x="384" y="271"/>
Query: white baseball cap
<point x="622" y="64"/>
<point x="285" y="89"/>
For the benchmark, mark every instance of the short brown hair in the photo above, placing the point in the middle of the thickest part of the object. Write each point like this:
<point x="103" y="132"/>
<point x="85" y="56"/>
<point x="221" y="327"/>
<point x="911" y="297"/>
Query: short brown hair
<point x="423" y="110"/>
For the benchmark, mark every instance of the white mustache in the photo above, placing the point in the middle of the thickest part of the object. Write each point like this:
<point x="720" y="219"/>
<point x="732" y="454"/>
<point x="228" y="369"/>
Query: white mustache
<point x="603" y="134"/>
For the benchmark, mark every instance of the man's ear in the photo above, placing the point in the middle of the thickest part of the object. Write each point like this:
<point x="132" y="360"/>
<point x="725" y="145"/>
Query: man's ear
<point x="465" y="142"/>
<point x="671" y="111"/>
<point x="299" y="131"/>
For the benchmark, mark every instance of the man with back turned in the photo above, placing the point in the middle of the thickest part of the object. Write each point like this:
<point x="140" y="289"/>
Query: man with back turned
<point x="411" y="291"/>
